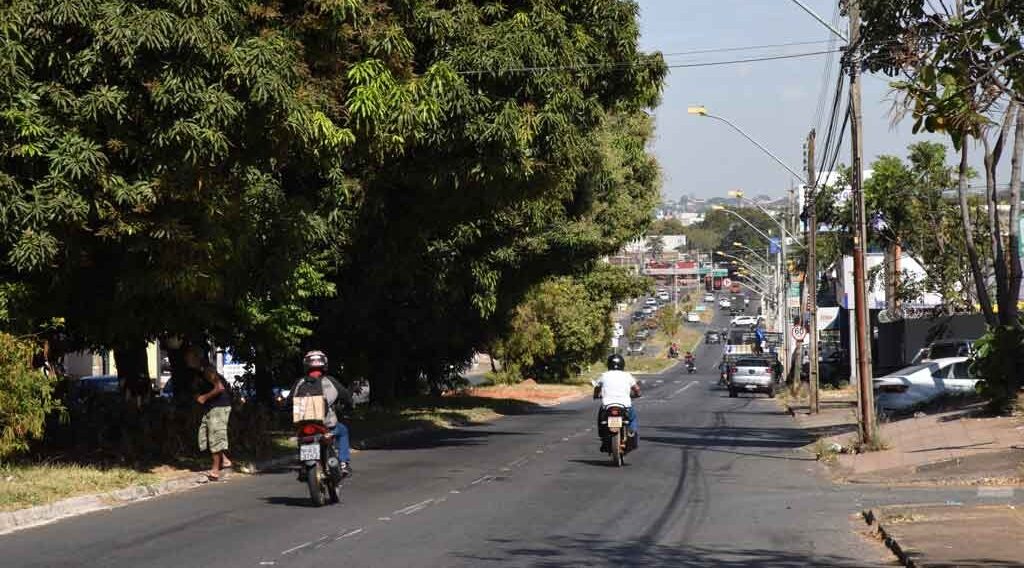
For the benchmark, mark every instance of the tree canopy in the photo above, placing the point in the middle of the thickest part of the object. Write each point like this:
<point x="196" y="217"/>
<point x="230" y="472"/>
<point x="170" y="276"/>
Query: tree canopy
<point x="385" y="179"/>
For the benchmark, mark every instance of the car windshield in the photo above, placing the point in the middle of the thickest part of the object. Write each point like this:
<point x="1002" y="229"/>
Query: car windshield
<point x="752" y="362"/>
<point x="948" y="350"/>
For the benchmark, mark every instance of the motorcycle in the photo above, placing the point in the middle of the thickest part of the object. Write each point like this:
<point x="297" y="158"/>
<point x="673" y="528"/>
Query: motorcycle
<point x="691" y="366"/>
<point x="318" y="462"/>
<point x="613" y="425"/>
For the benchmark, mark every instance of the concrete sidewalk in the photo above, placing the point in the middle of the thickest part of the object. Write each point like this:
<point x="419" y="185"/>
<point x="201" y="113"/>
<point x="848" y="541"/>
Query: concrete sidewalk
<point x="951" y="535"/>
<point x="957" y="446"/>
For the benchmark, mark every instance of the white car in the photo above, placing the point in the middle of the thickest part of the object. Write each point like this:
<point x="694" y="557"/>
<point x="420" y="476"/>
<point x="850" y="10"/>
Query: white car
<point x="693" y="317"/>
<point x="923" y="382"/>
<point x="724" y="303"/>
<point x="650" y="302"/>
<point x="709" y="297"/>
<point x="740" y="321"/>
<point x="648" y="310"/>
<point x="617" y="330"/>
<point x="664" y="296"/>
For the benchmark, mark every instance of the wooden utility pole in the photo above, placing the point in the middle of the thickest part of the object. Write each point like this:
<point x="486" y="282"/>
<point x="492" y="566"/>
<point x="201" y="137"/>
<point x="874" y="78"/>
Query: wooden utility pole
<point x="866" y="399"/>
<point x="811" y="273"/>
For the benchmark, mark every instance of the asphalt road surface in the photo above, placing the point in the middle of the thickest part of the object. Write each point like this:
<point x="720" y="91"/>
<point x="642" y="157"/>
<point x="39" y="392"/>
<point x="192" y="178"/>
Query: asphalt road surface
<point x="716" y="482"/>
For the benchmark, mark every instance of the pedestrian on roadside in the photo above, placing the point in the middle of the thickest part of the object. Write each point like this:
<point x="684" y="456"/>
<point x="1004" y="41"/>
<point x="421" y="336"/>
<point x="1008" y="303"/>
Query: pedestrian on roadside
<point x="213" y="430"/>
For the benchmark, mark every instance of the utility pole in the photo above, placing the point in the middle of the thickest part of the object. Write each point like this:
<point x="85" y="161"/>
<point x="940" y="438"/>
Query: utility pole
<point x="811" y="273"/>
<point x="866" y="398"/>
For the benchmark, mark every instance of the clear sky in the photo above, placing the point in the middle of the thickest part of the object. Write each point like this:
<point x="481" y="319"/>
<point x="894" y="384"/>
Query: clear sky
<point x="776" y="102"/>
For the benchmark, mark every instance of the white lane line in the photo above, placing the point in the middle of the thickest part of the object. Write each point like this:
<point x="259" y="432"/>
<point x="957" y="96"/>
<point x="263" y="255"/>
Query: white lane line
<point x="413" y="508"/>
<point x="267" y="563"/>
<point x="383" y="518"/>
<point x="294" y="548"/>
<point x="348" y="534"/>
<point x="518" y="462"/>
<point x="690" y="384"/>
<point x="481" y="480"/>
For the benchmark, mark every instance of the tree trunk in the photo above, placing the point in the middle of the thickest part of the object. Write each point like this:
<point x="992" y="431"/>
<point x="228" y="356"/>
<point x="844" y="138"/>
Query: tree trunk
<point x="133" y="369"/>
<point x="1014" y="223"/>
<point x="264" y="380"/>
<point x="972" y="249"/>
<point x="1010" y="318"/>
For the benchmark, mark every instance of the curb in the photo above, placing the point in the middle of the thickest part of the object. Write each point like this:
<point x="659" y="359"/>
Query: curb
<point x="44" y="514"/>
<point x="874" y="521"/>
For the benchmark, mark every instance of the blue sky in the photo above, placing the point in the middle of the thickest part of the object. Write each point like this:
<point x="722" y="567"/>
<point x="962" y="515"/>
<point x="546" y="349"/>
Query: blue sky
<point x="775" y="101"/>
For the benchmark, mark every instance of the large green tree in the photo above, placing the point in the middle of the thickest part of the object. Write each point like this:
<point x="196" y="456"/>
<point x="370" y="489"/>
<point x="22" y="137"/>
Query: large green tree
<point x="961" y="72"/>
<point x="535" y="166"/>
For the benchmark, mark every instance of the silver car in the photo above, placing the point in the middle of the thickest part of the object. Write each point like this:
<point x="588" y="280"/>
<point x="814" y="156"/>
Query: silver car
<point x="751" y="374"/>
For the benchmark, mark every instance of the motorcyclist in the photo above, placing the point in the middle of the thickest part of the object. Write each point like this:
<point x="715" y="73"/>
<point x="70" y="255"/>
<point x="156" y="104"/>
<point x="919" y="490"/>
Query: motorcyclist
<point x="688" y="358"/>
<point x="673" y="350"/>
<point x="338" y="398"/>
<point x="616" y="386"/>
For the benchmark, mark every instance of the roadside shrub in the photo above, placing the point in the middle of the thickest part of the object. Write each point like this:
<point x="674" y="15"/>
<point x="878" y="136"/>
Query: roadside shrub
<point x="998" y="356"/>
<point x="26" y="397"/>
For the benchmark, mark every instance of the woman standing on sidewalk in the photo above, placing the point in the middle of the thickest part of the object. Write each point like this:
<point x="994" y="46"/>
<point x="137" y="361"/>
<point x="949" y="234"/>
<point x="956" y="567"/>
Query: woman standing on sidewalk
<point x="213" y="430"/>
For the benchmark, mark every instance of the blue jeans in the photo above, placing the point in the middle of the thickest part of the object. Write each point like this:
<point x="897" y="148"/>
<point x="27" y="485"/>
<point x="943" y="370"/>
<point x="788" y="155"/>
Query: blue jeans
<point x="634" y="421"/>
<point x="340" y="433"/>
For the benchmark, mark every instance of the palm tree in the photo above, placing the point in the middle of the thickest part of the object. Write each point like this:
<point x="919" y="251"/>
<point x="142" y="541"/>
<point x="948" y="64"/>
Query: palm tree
<point x="655" y="246"/>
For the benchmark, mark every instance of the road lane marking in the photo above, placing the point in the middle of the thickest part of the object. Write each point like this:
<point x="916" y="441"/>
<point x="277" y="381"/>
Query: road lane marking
<point x="413" y="508"/>
<point x="348" y="534"/>
<point x="690" y="384"/>
<point x="294" y="548"/>
<point x="995" y="492"/>
<point x="482" y="479"/>
<point x="518" y="462"/>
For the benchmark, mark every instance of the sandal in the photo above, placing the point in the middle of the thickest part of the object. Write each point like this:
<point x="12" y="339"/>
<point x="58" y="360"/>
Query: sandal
<point x="210" y="476"/>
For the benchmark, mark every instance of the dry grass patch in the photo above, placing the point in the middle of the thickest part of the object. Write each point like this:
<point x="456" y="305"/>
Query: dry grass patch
<point x="29" y="485"/>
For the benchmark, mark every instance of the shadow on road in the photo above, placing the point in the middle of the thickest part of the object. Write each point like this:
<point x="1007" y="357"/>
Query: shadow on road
<point x="593" y="550"/>
<point x="437" y="438"/>
<point x="607" y="462"/>
<point x="289" y="501"/>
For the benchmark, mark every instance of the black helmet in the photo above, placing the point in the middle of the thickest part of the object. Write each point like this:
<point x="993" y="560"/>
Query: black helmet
<point x="616" y="362"/>
<point x="314" y="360"/>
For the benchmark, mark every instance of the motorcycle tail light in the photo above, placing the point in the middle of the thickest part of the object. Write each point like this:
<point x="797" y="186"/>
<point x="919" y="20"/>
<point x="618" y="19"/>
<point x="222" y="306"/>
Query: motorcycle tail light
<point x="309" y="429"/>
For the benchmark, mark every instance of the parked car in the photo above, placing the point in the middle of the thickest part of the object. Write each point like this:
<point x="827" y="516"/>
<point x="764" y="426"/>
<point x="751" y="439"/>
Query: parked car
<point x="751" y="374"/>
<point x="725" y="303"/>
<point x="638" y="315"/>
<point x="94" y="387"/>
<point x="712" y="338"/>
<point x="635" y="348"/>
<point x="650" y="301"/>
<point x="641" y="335"/>
<point x="744" y="321"/>
<point x="943" y="348"/>
<point x="709" y="297"/>
<point x="693" y="317"/>
<point x="648" y="310"/>
<point x="921" y="383"/>
<point x="664" y="296"/>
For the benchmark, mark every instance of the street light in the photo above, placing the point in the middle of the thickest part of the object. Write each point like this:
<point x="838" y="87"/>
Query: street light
<point x="700" y="110"/>
<point x="751" y="251"/>
<point x="744" y="219"/>
<point x="782" y="226"/>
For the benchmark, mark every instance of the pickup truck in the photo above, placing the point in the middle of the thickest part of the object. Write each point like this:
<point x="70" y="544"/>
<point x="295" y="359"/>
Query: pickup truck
<point x="751" y="374"/>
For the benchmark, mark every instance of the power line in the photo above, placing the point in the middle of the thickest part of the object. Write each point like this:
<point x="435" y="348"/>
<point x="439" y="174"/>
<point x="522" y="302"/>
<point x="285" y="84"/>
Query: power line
<point x="745" y="48"/>
<point x="628" y="64"/>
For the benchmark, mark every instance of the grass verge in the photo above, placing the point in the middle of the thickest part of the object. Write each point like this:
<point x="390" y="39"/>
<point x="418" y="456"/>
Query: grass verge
<point x="29" y="485"/>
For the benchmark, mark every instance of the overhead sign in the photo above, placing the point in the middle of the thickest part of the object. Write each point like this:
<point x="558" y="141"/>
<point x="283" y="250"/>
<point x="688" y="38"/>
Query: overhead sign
<point x="799" y="332"/>
<point x="774" y="245"/>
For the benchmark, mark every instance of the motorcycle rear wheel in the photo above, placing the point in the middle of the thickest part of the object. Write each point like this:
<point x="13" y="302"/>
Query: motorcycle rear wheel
<point x="617" y="449"/>
<point x="315" y="482"/>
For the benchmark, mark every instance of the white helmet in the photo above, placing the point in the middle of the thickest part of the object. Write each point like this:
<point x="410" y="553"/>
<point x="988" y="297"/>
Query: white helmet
<point x="314" y="360"/>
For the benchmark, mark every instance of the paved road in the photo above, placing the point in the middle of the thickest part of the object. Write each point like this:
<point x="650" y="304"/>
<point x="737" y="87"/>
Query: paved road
<point x="716" y="482"/>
